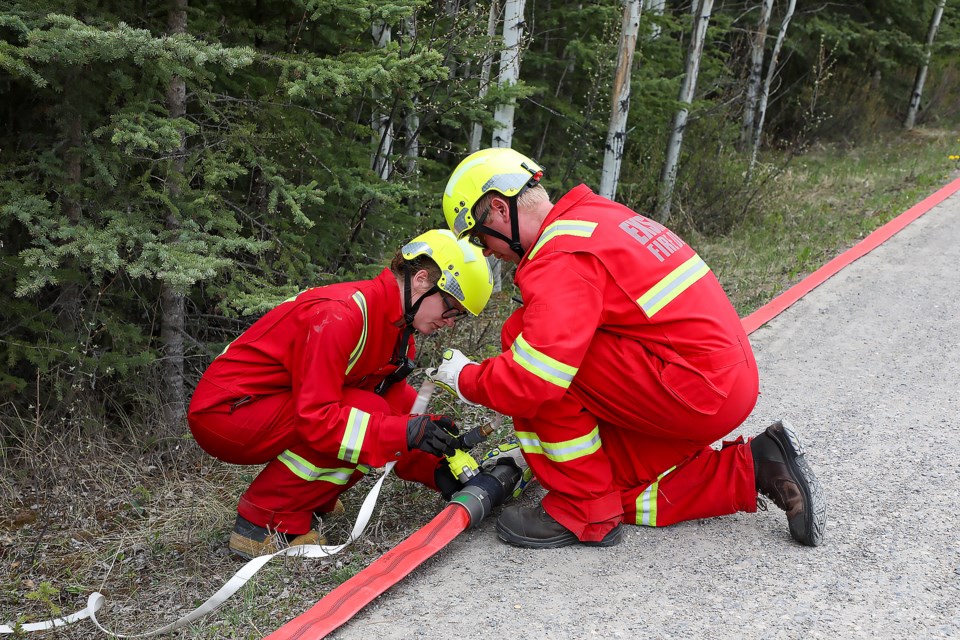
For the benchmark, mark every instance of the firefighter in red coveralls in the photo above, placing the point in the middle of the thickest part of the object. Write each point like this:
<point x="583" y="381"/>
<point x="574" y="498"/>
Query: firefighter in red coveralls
<point x="625" y="362"/>
<point x="315" y="389"/>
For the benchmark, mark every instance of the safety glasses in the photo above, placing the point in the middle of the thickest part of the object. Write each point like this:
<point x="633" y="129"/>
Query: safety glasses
<point x="451" y="311"/>
<point x="473" y="235"/>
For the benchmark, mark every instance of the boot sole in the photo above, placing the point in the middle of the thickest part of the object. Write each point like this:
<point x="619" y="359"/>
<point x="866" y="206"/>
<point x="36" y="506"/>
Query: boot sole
<point x="612" y="538"/>
<point x="809" y="529"/>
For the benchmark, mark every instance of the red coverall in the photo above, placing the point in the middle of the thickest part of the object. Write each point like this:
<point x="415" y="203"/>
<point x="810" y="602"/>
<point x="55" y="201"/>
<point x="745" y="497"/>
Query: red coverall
<point x="296" y="390"/>
<point x="624" y="364"/>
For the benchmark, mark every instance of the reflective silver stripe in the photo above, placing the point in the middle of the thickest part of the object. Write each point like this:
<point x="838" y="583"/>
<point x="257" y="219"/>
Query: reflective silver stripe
<point x="541" y="365"/>
<point x="529" y="442"/>
<point x="506" y="183"/>
<point x="579" y="228"/>
<point x="452" y="286"/>
<point x="672" y="285"/>
<point x="358" y="350"/>
<point x="561" y="451"/>
<point x="302" y="468"/>
<point x="417" y="248"/>
<point x="647" y="502"/>
<point x="352" y="442"/>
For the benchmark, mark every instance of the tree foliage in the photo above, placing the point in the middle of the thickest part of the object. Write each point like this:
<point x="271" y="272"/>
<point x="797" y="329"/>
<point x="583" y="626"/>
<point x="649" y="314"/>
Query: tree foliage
<point x="277" y="192"/>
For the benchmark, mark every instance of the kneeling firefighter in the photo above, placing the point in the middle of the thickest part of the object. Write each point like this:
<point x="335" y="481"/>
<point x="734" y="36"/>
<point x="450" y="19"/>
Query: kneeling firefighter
<point x="315" y="389"/>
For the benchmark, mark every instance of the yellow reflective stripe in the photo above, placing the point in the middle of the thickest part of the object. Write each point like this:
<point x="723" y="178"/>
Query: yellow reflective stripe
<point x="647" y="502"/>
<point x="352" y="442"/>
<point x="541" y="365"/>
<point x="303" y="468"/>
<point x="529" y="442"/>
<point x="560" y="451"/>
<point x="357" y="350"/>
<point x="579" y="228"/>
<point x="672" y="285"/>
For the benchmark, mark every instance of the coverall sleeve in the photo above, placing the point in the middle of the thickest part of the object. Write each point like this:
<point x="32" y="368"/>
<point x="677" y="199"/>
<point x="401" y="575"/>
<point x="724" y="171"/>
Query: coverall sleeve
<point x="563" y="307"/>
<point x="332" y="332"/>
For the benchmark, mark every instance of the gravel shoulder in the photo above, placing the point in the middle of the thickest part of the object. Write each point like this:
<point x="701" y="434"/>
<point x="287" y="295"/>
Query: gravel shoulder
<point x="866" y="367"/>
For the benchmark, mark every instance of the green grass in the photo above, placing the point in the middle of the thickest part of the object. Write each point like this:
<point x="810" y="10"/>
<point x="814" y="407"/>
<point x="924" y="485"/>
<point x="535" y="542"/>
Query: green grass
<point x="822" y="204"/>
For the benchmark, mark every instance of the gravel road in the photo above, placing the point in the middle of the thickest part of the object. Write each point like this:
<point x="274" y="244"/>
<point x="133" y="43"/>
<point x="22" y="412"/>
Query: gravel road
<point x="866" y="367"/>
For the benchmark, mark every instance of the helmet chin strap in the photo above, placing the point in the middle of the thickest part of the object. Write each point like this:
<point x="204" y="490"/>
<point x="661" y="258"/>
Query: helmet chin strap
<point x="514" y="240"/>
<point x="410" y="310"/>
<point x="404" y="364"/>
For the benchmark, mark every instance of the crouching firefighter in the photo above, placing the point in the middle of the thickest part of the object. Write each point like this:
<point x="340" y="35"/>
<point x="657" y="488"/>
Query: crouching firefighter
<point x="625" y="363"/>
<point x="315" y="389"/>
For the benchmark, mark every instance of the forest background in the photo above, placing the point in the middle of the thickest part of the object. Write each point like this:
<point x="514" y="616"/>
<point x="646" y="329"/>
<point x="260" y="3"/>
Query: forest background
<point x="169" y="171"/>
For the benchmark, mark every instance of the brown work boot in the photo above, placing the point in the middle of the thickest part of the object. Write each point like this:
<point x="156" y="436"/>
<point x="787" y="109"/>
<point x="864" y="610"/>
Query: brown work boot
<point x="534" y="528"/>
<point x="249" y="541"/>
<point x="782" y="474"/>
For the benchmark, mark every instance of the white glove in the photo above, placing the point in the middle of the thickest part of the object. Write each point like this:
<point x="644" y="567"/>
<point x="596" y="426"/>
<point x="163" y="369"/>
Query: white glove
<point x="447" y="375"/>
<point x="509" y="452"/>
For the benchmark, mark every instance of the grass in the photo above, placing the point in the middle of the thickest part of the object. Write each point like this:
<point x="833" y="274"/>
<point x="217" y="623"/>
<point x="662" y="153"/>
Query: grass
<point x="826" y="201"/>
<point x="149" y="530"/>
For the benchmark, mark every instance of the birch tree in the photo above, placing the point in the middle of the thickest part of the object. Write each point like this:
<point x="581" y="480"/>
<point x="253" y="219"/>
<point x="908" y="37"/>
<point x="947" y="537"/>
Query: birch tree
<point x="509" y="70"/>
<point x="485" y="69"/>
<point x="411" y="121"/>
<point x="768" y="83"/>
<point x="655" y="7"/>
<point x="380" y="120"/>
<point x="668" y="176"/>
<point x="921" y="78"/>
<point x="172" y="299"/>
<point x="755" y="75"/>
<point x="620" y="100"/>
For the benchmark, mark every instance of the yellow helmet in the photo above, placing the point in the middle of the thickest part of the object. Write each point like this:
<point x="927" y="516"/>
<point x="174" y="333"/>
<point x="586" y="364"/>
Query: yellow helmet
<point x="464" y="273"/>
<point x="502" y="170"/>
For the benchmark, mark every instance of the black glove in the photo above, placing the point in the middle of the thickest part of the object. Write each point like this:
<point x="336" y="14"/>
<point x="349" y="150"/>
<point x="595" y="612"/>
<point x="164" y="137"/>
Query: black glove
<point x="433" y="434"/>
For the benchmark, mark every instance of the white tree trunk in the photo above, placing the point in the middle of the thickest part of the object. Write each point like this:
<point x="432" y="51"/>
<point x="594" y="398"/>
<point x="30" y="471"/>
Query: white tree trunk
<point x="379" y="121"/>
<point x="620" y="100"/>
<point x="668" y="176"/>
<point x="492" y="21"/>
<point x="451" y="8"/>
<point x="755" y="76"/>
<point x="509" y="70"/>
<point x="914" y="107"/>
<point x="768" y="82"/>
<point x="656" y="8"/>
<point x="411" y="123"/>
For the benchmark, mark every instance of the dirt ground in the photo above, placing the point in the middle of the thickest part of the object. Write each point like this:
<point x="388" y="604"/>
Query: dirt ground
<point x="867" y="368"/>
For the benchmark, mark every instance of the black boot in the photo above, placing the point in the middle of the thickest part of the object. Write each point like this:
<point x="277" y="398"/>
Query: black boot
<point x="534" y="528"/>
<point x="783" y="475"/>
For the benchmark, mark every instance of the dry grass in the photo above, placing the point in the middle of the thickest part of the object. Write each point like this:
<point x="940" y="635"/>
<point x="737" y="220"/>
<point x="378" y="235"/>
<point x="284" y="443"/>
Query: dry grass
<point x="149" y="531"/>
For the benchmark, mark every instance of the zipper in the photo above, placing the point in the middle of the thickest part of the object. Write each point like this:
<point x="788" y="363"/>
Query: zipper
<point x="242" y="401"/>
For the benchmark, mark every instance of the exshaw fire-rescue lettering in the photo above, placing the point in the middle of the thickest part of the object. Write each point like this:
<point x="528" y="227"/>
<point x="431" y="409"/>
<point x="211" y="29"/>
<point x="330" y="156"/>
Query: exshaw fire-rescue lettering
<point x="659" y="241"/>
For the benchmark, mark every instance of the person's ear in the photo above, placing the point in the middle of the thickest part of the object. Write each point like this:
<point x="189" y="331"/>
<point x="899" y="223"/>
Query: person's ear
<point x="421" y="282"/>
<point x="500" y="207"/>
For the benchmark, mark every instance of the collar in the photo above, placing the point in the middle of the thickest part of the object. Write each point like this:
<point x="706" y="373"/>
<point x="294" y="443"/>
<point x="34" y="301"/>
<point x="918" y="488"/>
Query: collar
<point x="564" y="204"/>
<point x="393" y="305"/>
